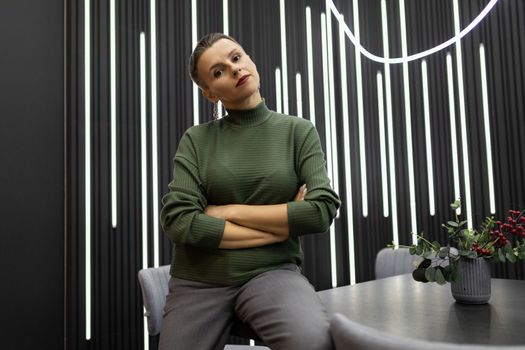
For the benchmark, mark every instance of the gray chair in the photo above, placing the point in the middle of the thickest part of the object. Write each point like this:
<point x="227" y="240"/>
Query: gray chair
<point x="348" y="334"/>
<point x="154" y="285"/>
<point x="392" y="262"/>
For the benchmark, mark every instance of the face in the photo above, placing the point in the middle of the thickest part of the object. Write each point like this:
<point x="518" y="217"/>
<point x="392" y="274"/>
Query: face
<point x="229" y="75"/>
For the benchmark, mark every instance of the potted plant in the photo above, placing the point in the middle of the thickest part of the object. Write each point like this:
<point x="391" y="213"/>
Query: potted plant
<point x="463" y="260"/>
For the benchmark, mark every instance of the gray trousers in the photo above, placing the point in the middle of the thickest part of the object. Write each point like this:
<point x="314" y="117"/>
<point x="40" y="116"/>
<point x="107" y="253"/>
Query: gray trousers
<point x="280" y="305"/>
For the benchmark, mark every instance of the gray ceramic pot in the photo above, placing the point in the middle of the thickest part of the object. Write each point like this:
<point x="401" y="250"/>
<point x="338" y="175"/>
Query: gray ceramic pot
<point x="472" y="285"/>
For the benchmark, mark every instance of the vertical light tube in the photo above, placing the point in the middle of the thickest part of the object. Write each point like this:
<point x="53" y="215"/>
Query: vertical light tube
<point x="390" y="126"/>
<point x="194" y="40"/>
<point x="154" y="133"/>
<point x="113" y="111"/>
<point x="332" y="116"/>
<point x="310" y="60"/>
<point x="486" y="121"/>
<point x="328" y="136"/>
<point x="428" y="138"/>
<point x="462" y="116"/>
<point x="278" y="93"/>
<point x="284" y="57"/>
<point x="346" y="154"/>
<point x="225" y="18"/>
<point x="299" y="95"/>
<point x="382" y="146"/>
<point x="87" y="160"/>
<point x="225" y="30"/>
<point x="408" y="123"/>
<point x="143" y="151"/>
<point x="360" y="111"/>
<point x="453" y="133"/>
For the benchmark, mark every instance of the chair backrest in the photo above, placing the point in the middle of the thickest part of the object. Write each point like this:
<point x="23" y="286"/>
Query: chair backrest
<point x="154" y="285"/>
<point x="391" y="262"/>
<point x="348" y="334"/>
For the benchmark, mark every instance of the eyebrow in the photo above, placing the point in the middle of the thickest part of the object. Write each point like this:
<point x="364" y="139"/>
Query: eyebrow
<point x="220" y="64"/>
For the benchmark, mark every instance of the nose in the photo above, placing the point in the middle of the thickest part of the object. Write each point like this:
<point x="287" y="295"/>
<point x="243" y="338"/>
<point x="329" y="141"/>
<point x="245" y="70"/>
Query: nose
<point x="236" y="71"/>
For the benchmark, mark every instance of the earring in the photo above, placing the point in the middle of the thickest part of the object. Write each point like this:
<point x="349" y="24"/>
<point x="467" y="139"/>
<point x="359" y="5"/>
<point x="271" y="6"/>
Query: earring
<point x="215" y="111"/>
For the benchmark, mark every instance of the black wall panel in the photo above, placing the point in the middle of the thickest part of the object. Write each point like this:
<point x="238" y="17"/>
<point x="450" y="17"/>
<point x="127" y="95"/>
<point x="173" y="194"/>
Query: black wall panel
<point x="32" y="174"/>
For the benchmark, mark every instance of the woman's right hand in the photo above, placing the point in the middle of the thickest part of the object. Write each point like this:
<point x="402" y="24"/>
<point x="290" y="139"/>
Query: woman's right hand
<point x="301" y="193"/>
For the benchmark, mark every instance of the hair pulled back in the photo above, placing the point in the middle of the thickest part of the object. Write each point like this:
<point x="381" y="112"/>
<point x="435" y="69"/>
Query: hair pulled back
<point x="204" y="43"/>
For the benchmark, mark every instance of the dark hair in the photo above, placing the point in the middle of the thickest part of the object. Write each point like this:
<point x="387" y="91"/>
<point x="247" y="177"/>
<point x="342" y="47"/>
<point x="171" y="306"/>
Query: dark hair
<point x="204" y="43"/>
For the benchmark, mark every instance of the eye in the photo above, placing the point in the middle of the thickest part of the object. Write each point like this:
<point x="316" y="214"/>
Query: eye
<point x="236" y="58"/>
<point x="217" y="73"/>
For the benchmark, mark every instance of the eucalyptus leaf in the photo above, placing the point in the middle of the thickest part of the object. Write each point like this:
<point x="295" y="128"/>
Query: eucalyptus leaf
<point x="430" y="272"/>
<point x="452" y="223"/>
<point x="472" y="255"/>
<point x="463" y="252"/>
<point x="511" y="257"/>
<point x="436" y="245"/>
<point x="440" y="279"/>
<point x="419" y="275"/>
<point x="501" y="255"/>
<point x="448" y="272"/>
<point x="443" y="252"/>
<point x="424" y="264"/>
<point x="456" y="204"/>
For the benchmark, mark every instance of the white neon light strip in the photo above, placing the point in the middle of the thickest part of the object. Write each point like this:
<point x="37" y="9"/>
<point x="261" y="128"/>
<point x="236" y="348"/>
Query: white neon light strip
<point x="225" y="18"/>
<point x="328" y="137"/>
<point x="278" y="93"/>
<point x="299" y="95"/>
<point x="87" y="160"/>
<point x="143" y="151"/>
<point x="382" y="142"/>
<point x="153" y="53"/>
<point x="408" y="123"/>
<point x="486" y="115"/>
<point x="453" y="133"/>
<point x="419" y="55"/>
<point x="463" y="118"/>
<point x="146" y="333"/>
<point x="194" y="40"/>
<point x="284" y="57"/>
<point x="390" y="126"/>
<point x="428" y="137"/>
<point x="113" y="111"/>
<point x="360" y="111"/>
<point x="154" y="133"/>
<point x="309" y="55"/>
<point x="225" y="30"/>
<point x="332" y="115"/>
<point x="346" y="155"/>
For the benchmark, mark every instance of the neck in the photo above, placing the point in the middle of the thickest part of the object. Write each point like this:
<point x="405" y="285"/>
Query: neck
<point x="248" y="117"/>
<point x="248" y="103"/>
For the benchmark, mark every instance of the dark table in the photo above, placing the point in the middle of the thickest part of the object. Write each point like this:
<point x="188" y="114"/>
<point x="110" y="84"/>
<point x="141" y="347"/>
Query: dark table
<point x="399" y="305"/>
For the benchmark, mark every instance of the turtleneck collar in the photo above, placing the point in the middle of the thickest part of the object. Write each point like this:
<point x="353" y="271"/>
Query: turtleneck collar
<point x="248" y="117"/>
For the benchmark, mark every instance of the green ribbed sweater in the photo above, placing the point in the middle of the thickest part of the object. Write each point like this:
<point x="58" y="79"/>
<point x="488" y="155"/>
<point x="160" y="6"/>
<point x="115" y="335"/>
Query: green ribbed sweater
<point x="255" y="157"/>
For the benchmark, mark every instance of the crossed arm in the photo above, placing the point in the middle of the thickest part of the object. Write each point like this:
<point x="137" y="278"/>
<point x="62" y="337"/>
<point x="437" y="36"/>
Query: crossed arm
<point x="249" y="226"/>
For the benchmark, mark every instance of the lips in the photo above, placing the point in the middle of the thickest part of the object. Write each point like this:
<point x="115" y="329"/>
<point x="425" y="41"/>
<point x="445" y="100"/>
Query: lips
<point x="242" y="80"/>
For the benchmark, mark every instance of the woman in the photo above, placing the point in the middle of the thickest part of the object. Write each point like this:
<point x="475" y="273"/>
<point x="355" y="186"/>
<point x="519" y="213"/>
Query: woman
<point x="235" y="210"/>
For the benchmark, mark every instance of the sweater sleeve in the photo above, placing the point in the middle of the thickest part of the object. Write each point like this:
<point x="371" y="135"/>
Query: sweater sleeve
<point x="182" y="216"/>
<point x="316" y="212"/>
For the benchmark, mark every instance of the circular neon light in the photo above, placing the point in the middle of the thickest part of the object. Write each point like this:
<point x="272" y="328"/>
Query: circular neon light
<point x="416" y="56"/>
